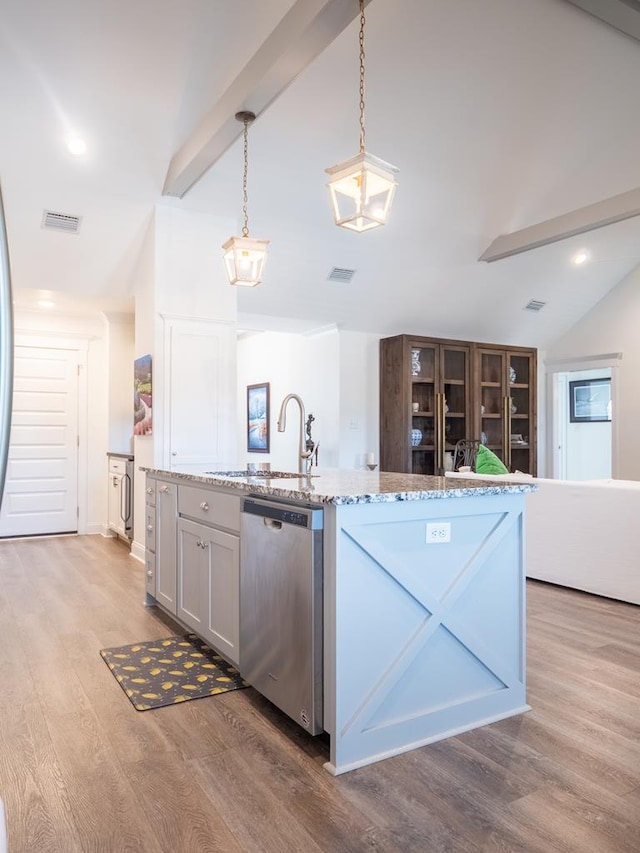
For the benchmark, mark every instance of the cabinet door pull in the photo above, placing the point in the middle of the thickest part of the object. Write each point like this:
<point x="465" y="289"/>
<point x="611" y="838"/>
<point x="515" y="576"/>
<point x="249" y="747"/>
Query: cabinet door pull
<point x="164" y="489"/>
<point x="149" y="573"/>
<point x="150" y="528"/>
<point x="149" y="491"/>
<point x="204" y="506"/>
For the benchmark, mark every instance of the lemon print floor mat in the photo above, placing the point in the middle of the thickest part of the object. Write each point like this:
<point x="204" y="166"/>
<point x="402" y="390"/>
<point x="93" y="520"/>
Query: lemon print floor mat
<point x="170" y="671"/>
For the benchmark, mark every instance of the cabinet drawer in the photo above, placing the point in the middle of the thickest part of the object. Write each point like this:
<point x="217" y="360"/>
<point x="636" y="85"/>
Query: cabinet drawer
<point x="150" y="529"/>
<point x="150" y="492"/>
<point x="150" y="573"/>
<point x="117" y="466"/>
<point x="210" y="507"/>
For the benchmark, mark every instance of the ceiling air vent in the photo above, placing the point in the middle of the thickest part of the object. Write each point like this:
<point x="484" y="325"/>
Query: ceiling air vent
<point x="534" y="305"/>
<point x="61" y="222"/>
<point x="341" y="274"/>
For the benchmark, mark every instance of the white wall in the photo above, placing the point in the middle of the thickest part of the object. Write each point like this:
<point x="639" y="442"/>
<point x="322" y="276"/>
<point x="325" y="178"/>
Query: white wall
<point x="121" y="355"/>
<point x="359" y="398"/>
<point x="143" y="445"/>
<point x="180" y="278"/>
<point x="189" y="276"/>
<point x="291" y="364"/>
<point x="335" y="373"/>
<point x="612" y="327"/>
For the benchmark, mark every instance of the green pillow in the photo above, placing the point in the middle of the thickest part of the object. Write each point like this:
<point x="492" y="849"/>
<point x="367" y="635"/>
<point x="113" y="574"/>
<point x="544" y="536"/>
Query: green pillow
<point x="488" y="463"/>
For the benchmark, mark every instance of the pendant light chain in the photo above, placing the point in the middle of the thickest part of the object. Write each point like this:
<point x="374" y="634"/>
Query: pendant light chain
<point x="244" y="258"/>
<point x="361" y="76"/>
<point x="245" y="227"/>
<point x="362" y="187"/>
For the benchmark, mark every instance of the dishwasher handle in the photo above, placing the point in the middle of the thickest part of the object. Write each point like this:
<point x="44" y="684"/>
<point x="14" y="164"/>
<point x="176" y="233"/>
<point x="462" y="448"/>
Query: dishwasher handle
<point x="272" y="524"/>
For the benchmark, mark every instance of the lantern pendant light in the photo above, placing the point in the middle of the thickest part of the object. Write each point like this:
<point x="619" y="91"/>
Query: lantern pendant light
<point x="244" y="258"/>
<point x="362" y="188"/>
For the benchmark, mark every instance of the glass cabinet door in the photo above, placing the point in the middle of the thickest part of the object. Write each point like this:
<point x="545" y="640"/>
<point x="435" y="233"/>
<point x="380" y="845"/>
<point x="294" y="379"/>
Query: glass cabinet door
<point x="521" y="408"/>
<point x="507" y="407"/>
<point x="455" y="390"/>
<point x="493" y="374"/>
<point x="423" y="366"/>
<point x="439" y="405"/>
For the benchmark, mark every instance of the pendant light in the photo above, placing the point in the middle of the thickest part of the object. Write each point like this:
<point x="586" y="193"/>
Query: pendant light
<point x="244" y="258"/>
<point x="362" y="188"/>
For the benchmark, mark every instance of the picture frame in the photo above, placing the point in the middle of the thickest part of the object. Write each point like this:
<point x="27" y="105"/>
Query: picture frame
<point x="590" y="401"/>
<point x="258" y="432"/>
<point x="142" y="396"/>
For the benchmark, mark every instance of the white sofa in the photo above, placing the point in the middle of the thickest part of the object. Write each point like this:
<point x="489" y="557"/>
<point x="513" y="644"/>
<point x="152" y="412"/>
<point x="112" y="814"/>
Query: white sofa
<point x="582" y="534"/>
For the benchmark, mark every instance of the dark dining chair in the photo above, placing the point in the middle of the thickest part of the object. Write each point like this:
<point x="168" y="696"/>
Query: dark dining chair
<point x="465" y="453"/>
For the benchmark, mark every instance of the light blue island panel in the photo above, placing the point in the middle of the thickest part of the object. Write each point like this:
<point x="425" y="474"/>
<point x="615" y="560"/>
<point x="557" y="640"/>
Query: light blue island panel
<point x="422" y="641"/>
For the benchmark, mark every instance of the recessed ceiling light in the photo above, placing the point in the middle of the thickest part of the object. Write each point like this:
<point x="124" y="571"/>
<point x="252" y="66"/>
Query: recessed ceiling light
<point x="580" y="257"/>
<point x="76" y="146"/>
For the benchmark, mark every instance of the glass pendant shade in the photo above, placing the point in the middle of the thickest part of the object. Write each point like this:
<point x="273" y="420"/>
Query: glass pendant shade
<point x="244" y="260"/>
<point x="362" y="191"/>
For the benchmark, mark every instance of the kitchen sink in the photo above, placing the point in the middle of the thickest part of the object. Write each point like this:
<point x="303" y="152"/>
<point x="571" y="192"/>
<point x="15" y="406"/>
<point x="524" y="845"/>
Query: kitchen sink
<point x="264" y="475"/>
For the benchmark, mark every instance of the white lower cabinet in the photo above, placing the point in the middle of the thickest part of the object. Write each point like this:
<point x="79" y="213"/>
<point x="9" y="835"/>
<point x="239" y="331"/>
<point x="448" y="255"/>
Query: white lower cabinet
<point x="116" y="521"/>
<point x="209" y="585"/>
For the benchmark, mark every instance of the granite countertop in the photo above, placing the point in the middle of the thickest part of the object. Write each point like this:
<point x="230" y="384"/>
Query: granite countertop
<point x="338" y="486"/>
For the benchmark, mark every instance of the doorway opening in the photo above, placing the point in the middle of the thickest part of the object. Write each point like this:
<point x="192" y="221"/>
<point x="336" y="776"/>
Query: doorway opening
<point x="581" y="406"/>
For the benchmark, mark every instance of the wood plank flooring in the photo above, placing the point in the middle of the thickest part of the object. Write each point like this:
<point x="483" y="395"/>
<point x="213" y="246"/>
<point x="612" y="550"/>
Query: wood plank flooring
<point x="81" y="770"/>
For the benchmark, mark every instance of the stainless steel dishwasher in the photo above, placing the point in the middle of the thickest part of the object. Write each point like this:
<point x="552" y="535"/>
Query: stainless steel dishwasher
<point x="281" y="606"/>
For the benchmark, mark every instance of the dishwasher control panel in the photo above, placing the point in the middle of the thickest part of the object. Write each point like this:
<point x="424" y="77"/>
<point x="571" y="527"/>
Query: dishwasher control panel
<point x="307" y="518"/>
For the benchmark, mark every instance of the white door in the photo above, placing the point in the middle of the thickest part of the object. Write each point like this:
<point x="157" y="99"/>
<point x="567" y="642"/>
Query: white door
<point x="41" y="490"/>
<point x="200" y="401"/>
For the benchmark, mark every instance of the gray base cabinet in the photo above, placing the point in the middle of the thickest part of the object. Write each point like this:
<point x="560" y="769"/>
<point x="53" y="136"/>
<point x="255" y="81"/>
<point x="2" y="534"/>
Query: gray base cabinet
<point x="150" y="538"/>
<point x="193" y="560"/>
<point x="209" y="585"/>
<point x="166" y="511"/>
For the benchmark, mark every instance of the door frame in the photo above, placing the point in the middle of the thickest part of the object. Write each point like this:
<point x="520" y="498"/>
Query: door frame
<point x="556" y="406"/>
<point x="79" y="344"/>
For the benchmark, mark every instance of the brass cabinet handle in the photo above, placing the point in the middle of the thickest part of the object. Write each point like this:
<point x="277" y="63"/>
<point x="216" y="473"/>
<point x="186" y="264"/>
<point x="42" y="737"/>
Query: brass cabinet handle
<point x="506" y="438"/>
<point x="436" y="455"/>
<point x="441" y="432"/>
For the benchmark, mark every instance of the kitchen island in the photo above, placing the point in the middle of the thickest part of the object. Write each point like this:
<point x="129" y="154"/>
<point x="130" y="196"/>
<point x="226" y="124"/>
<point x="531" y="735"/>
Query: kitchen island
<point x="423" y="599"/>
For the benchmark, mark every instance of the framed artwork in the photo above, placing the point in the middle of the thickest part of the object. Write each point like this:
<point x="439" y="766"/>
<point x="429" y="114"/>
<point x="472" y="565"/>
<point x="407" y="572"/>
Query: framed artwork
<point x="589" y="401"/>
<point x="142" y="408"/>
<point x="258" y="418"/>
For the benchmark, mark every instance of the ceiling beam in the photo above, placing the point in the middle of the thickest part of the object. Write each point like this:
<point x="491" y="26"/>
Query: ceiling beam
<point x="623" y="15"/>
<point x="614" y="209"/>
<point x="305" y="31"/>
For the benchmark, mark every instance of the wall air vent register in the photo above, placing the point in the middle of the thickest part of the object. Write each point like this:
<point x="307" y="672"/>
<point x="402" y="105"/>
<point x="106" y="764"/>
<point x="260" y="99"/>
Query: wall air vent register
<point x="341" y="274"/>
<point x="61" y="222"/>
<point x="534" y="305"/>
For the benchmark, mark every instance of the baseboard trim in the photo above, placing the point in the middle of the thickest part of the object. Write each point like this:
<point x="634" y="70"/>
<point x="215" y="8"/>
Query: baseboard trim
<point x="138" y="552"/>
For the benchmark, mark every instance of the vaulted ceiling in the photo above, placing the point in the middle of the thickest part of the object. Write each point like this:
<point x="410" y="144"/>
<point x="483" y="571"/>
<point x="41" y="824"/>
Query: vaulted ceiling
<point x="499" y="115"/>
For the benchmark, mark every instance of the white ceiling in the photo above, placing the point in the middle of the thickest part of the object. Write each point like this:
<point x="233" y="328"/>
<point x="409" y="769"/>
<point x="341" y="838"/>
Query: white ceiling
<point x="498" y="114"/>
